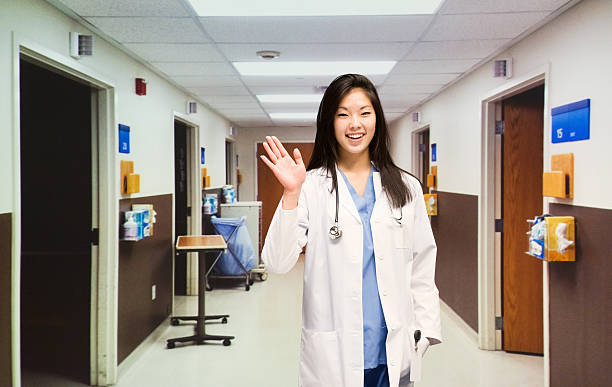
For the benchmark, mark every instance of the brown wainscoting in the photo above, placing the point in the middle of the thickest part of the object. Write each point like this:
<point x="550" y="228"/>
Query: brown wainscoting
<point x="456" y="231"/>
<point x="581" y="303"/>
<point x="6" y="240"/>
<point x="143" y="264"/>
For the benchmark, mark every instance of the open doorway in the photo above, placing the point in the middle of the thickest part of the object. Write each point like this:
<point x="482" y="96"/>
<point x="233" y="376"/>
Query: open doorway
<point x="420" y="149"/>
<point x="520" y="149"/>
<point x="58" y="162"/>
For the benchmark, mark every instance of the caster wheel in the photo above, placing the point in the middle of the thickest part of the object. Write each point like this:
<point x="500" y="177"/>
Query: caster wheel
<point x="174" y="321"/>
<point x="170" y="345"/>
<point x="209" y="288"/>
<point x="224" y="320"/>
<point x="263" y="276"/>
<point x="227" y="342"/>
<point x="251" y="281"/>
<point x="247" y="287"/>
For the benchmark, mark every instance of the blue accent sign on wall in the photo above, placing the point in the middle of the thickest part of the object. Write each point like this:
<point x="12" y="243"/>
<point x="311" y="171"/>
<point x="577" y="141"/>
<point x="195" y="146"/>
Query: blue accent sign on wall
<point x="571" y="122"/>
<point x="434" y="155"/>
<point x="124" y="138"/>
<point x="203" y="155"/>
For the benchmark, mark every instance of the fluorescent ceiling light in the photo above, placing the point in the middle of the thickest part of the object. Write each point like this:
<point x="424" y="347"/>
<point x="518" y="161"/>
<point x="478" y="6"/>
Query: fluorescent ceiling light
<point x="313" y="7"/>
<point x="290" y="98"/>
<point x="290" y="69"/>
<point x="305" y="116"/>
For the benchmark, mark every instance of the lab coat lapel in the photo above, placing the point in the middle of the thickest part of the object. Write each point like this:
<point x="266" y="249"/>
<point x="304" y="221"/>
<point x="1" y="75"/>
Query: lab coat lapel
<point x="346" y="200"/>
<point x="381" y="199"/>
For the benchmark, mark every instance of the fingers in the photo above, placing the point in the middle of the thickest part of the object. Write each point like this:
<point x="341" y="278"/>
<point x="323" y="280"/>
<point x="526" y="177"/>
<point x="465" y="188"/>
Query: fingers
<point x="274" y="147"/>
<point x="298" y="157"/>
<point x="267" y="162"/>
<point x="270" y="153"/>
<point x="280" y="146"/>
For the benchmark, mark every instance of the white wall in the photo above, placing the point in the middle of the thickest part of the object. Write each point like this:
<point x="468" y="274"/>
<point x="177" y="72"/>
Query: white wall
<point x="150" y="117"/>
<point x="578" y="49"/>
<point x="246" y="145"/>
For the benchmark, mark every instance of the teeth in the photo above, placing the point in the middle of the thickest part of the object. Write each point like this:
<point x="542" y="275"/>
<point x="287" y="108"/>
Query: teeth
<point x="354" y="136"/>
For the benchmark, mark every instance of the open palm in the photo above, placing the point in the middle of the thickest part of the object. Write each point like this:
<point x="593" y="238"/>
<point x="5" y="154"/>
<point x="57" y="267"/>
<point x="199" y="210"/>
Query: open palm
<point x="290" y="172"/>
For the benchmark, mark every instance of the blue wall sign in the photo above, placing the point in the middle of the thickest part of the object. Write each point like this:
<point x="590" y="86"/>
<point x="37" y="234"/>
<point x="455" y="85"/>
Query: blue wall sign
<point x="571" y="122"/>
<point x="434" y="155"/>
<point x="202" y="155"/>
<point x="124" y="138"/>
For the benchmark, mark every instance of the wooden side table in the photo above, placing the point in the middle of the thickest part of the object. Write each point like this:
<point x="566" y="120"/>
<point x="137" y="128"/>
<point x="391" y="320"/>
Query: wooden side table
<point x="200" y="244"/>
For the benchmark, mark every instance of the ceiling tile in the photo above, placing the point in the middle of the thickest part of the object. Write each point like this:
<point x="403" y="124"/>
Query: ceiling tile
<point x="490" y="6"/>
<point x="176" y="52"/>
<point x="265" y="89"/>
<point x="324" y="29"/>
<point x="434" y="66"/>
<point x="466" y="49"/>
<point x="313" y="52"/>
<point x="215" y="104"/>
<point x="229" y="99"/>
<point x="204" y="80"/>
<point x="393" y="89"/>
<point x="219" y="90"/>
<point x="419" y="79"/>
<point x="150" y="29"/>
<point x="277" y="107"/>
<point x="254" y="123"/>
<point x="482" y="26"/>
<point x="127" y="7"/>
<point x="195" y="68"/>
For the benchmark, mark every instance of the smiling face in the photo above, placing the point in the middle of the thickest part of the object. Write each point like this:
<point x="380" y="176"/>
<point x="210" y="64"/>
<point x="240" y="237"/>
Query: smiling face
<point x="354" y="125"/>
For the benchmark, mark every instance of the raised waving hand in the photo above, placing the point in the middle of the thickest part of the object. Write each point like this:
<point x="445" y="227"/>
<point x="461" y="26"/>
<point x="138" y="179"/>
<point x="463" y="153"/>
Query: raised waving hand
<point x="289" y="171"/>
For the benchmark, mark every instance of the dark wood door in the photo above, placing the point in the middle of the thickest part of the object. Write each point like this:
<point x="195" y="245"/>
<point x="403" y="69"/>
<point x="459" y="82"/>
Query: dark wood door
<point x="522" y="200"/>
<point x="424" y="152"/>
<point x="269" y="190"/>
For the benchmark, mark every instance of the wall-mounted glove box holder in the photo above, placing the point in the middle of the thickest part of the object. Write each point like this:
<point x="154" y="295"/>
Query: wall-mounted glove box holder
<point x="552" y="238"/>
<point x="431" y="204"/>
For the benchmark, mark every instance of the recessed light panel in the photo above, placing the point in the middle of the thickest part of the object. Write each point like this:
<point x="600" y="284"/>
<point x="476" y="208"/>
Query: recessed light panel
<point x="312" y="68"/>
<point x="301" y="116"/>
<point x="314" y="7"/>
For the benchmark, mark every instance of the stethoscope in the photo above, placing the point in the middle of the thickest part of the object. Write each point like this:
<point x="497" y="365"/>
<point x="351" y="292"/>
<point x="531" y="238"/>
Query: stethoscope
<point x="335" y="232"/>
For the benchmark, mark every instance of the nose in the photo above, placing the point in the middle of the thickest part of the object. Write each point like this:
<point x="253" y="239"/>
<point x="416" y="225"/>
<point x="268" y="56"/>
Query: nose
<point x="355" y="121"/>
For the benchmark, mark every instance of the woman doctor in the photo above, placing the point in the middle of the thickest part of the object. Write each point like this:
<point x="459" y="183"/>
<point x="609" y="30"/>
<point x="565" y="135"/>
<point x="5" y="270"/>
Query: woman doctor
<point x="370" y="306"/>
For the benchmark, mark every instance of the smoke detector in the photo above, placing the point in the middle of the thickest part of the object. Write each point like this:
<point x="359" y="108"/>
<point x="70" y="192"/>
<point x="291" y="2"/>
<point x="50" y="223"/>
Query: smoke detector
<point x="268" y="54"/>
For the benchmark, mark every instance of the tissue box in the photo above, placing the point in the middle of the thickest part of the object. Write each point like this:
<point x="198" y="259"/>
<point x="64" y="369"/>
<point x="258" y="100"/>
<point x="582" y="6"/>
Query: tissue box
<point x="552" y="238"/>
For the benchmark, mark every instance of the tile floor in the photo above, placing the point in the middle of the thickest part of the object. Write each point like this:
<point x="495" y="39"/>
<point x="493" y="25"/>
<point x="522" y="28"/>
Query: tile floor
<point x="266" y="322"/>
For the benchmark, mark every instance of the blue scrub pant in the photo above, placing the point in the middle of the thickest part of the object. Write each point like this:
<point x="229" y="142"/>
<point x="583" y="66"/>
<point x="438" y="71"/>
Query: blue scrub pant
<point x="376" y="377"/>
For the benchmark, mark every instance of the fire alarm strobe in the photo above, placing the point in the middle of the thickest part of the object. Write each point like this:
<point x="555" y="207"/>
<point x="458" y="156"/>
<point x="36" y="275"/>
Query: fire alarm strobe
<point x="141" y="86"/>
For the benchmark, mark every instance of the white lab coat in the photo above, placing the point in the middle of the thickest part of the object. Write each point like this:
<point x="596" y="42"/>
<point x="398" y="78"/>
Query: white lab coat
<point x="331" y="350"/>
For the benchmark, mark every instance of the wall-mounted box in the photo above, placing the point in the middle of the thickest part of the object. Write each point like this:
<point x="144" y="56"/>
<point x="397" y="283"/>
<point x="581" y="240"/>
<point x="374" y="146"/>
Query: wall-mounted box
<point x="127" y="168"/>
<point x="133" y="183"/>
<point x="571" y="122"/>
<point x="431" y="204"/>
<point x="432" y="178"/>
<point x="553" y="238"/>
<point x="560" y="181"/>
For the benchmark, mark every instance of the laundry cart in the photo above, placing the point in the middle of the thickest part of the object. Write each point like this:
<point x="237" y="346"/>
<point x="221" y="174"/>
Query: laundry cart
<point x="252" y="211"/>
<point x="239" y="257"/>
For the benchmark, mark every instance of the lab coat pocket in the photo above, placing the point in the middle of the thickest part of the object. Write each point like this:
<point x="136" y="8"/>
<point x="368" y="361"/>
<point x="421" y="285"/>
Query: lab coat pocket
<point x="320" y="359"/>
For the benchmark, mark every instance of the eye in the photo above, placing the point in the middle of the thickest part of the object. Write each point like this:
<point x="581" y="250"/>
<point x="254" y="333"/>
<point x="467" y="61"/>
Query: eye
<point x="366" y="113"/>
<point x="342" y="115"/>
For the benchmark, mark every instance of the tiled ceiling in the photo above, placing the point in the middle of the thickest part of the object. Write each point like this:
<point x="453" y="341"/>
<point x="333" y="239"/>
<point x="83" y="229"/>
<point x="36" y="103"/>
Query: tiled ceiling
<point x="196" y="53"/>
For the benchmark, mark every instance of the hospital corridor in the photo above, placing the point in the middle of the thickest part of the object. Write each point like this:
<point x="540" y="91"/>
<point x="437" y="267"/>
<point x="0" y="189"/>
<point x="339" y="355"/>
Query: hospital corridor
<point x="281" y="193"/>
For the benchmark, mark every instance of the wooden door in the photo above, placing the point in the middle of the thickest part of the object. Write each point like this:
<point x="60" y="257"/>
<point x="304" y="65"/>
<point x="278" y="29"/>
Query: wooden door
<point x="269" y="190"/>
<point x="522" y="200"/>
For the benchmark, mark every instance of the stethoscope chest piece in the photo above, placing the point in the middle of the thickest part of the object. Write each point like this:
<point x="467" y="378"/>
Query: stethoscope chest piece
<point x="335" y="232"/>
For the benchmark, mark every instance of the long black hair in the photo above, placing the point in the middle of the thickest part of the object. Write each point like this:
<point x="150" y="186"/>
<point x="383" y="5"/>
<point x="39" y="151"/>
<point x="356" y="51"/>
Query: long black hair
<point x="325" y="152"/>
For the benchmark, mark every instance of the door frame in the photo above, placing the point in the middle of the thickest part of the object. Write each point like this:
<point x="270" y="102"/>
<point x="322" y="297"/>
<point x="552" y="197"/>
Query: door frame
<point x="194" y="200"/>
<point x="416" y="157"/>
<point x="489" y="253"/>
<point x="104" y="274"/>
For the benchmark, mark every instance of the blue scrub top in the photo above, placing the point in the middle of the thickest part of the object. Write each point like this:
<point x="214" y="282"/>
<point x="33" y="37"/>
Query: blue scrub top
<point x="374" y="326"/>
